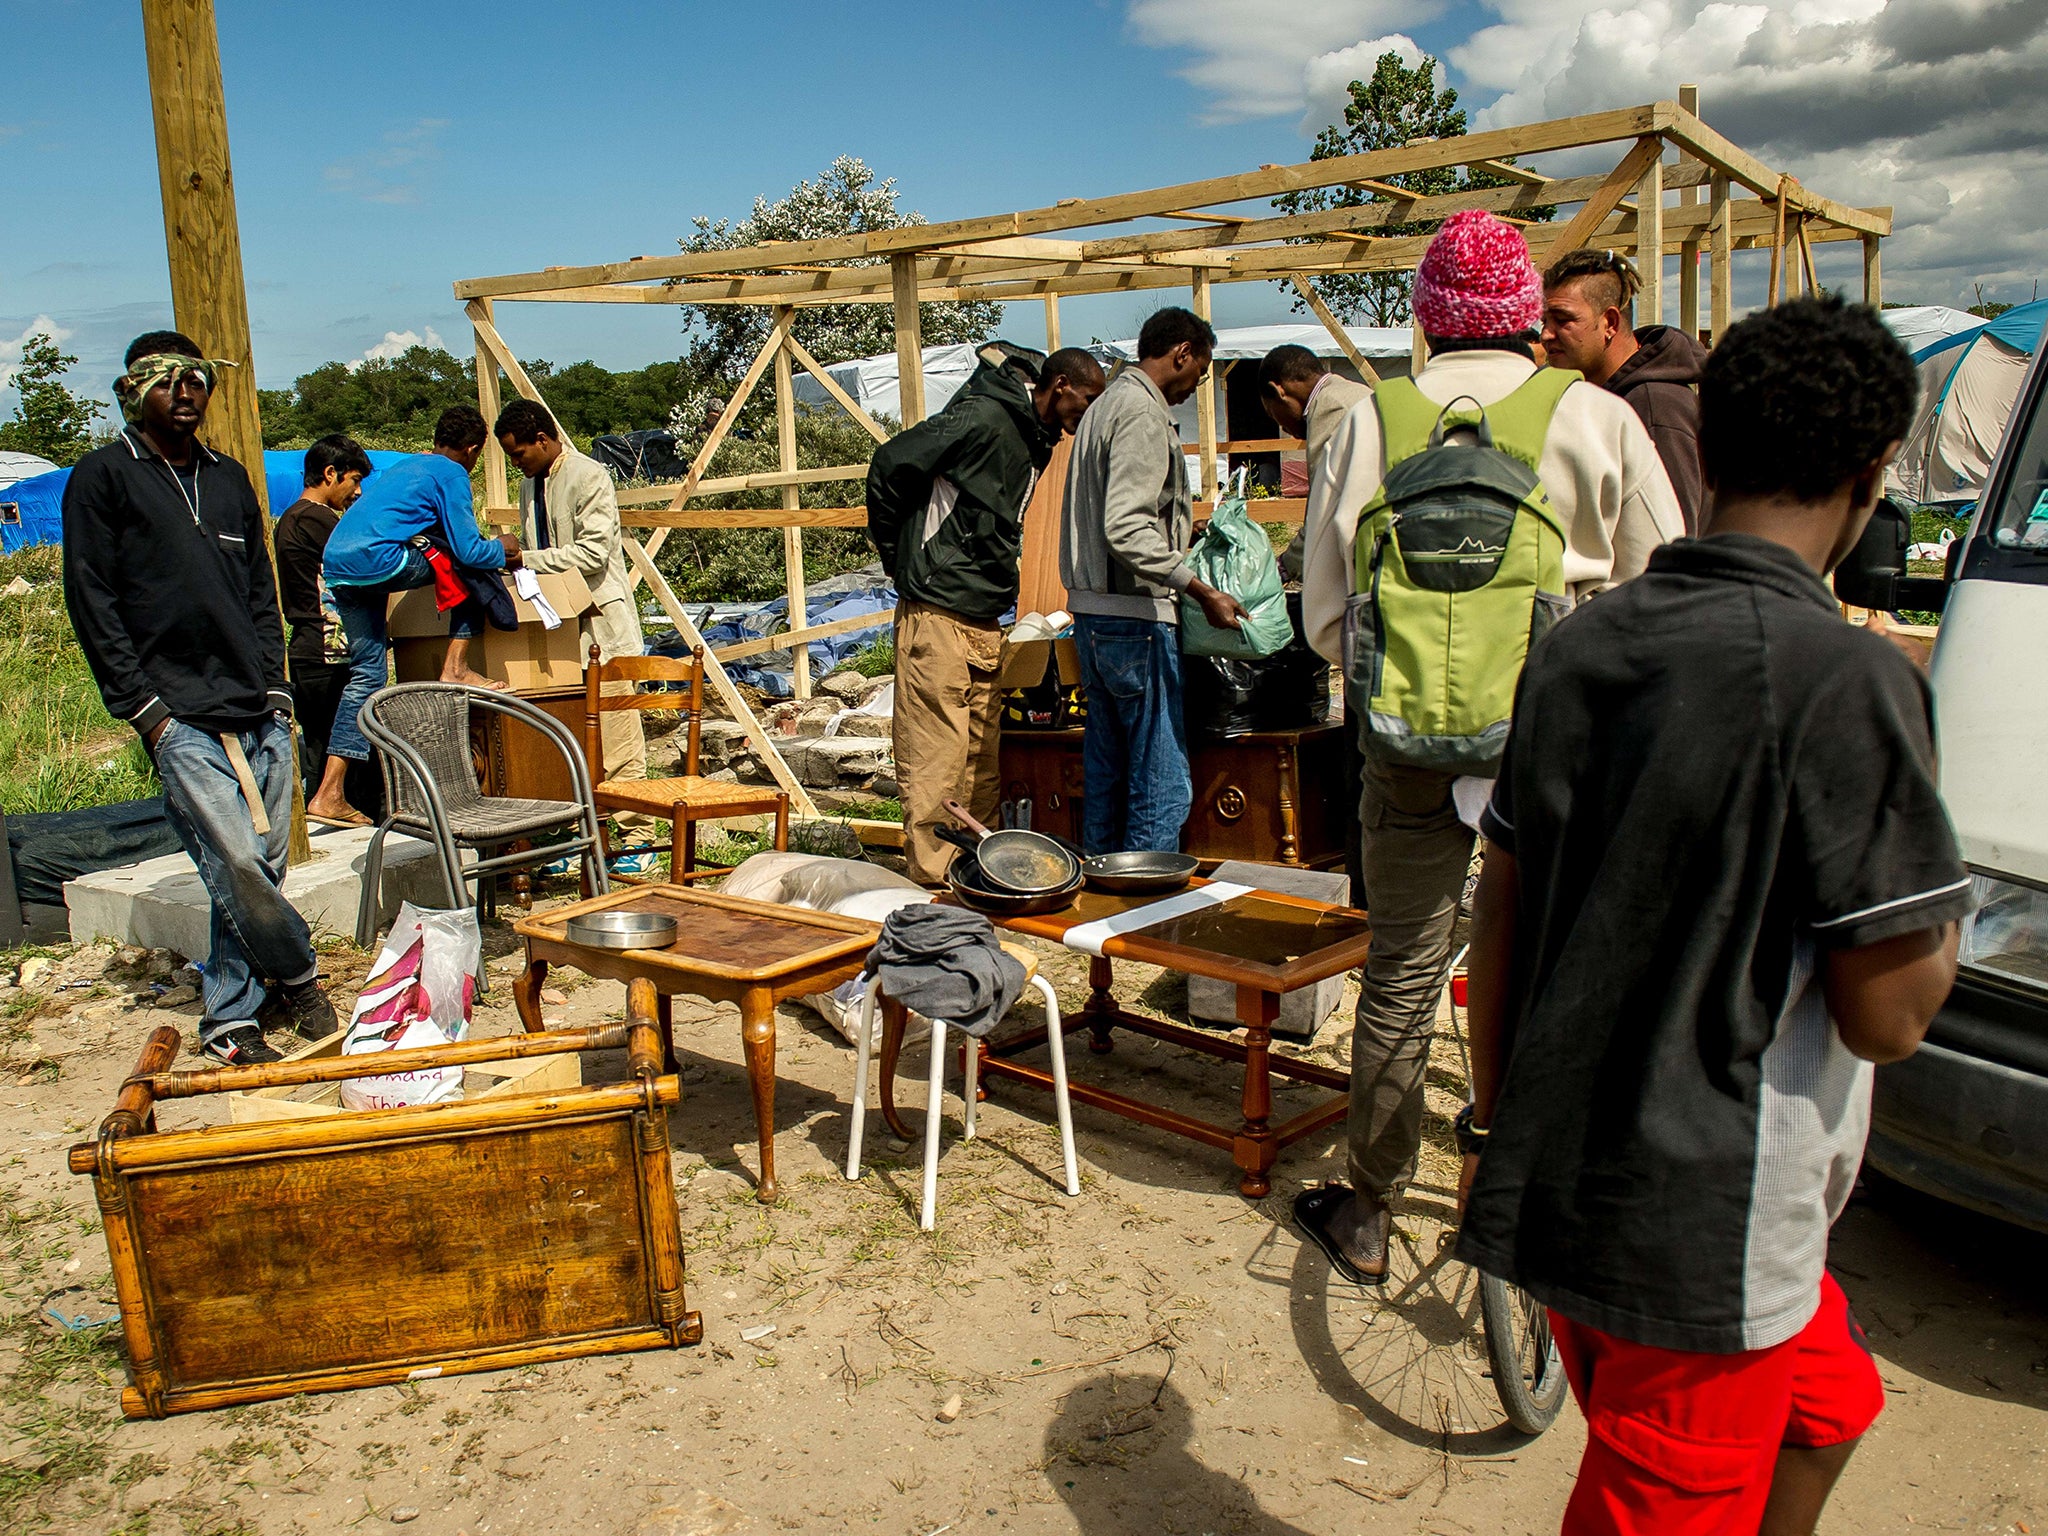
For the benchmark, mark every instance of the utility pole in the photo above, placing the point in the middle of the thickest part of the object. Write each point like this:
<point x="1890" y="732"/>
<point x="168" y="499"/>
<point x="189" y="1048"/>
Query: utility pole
<point x="204" y="242"/>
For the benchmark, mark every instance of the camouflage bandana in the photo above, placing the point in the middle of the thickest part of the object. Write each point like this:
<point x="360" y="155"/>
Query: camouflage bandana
<point x="145" y="373"/>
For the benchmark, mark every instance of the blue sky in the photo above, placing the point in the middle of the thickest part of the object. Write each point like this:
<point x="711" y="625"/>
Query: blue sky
<point x="382" y="151"/>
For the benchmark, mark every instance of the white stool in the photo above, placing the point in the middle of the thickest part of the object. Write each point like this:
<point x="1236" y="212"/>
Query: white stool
<point x="935" y="1100"/>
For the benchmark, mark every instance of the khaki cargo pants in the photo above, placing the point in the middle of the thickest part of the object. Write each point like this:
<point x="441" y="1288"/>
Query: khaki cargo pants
<point x="947" y="727"/>
<point x="1414" y="855"/>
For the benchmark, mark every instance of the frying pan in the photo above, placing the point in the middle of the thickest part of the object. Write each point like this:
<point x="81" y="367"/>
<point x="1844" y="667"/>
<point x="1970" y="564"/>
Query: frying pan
<point x="1022" y="863"/>
<point x="1139" y="872"/>
<point x="971" y="885"/>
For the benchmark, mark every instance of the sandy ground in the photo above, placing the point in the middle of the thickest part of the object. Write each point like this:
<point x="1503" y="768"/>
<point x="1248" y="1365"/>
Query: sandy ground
<point x="1156" y="1356"/>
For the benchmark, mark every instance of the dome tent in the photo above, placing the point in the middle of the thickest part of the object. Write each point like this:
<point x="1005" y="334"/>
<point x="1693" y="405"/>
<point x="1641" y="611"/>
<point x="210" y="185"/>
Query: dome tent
<point x="1968" y="383"/>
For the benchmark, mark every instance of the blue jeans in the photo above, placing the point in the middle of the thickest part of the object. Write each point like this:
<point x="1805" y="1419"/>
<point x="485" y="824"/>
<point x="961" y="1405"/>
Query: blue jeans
<point x="1134" y="752"/>
<point x="362" y="611"/>
<point x="256" y="933"/>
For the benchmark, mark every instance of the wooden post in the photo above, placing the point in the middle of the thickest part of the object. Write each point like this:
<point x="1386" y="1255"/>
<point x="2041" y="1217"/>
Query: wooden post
<point x="1205" y="404"/>
<point x="1873" y="273"/>
<point x="1721" y="258"/>
<point x="1777" y="246"/>
<point x="1418" y="350"/>
<point x="1052" y="323"/>
<point x="1689" y="252"/>
<point x="792" y="537"/>
<point x="909" y="341"/>
<point x="1338" y="334"/>
<point x="1650" y="243"/>
<point x="204" y="242"/>
<point x="497" y="490"/>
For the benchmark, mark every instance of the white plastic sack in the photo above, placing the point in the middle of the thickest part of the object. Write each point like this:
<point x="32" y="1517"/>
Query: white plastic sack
<point x="881" y="707"/>
<point x="419" y="993"/>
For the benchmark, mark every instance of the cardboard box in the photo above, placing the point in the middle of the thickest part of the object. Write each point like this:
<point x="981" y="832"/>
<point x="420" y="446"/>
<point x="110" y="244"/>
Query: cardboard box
<point x="529" y="659"/>
<point x="485" y="1080"/>
<point x="1024" y="662"/>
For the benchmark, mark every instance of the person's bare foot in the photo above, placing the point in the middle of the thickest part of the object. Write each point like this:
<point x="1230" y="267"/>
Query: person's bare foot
<point x="472" y="679"/>
<point x="337" y="810"/>
<point x="1360" y="1227"/>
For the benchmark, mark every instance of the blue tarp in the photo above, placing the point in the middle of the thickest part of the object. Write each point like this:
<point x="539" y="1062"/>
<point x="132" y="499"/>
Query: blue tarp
<point x="2020" y="328"/>
<point x="842" y="597"/>
<point x="41" y="499"/>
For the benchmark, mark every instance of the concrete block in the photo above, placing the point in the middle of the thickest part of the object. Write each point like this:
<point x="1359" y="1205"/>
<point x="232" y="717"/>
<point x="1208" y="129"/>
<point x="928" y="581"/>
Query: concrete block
<point x="162" y="903"/>
<point x="1301" y="1013"/>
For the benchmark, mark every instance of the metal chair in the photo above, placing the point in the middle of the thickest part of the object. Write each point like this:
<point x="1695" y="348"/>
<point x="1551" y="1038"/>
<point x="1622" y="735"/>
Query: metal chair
<point x="421" y="731"/>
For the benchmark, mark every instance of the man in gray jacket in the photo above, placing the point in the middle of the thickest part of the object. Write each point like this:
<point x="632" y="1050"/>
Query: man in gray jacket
<point x="1124" y="544"/>
<point x="571" y="516"/>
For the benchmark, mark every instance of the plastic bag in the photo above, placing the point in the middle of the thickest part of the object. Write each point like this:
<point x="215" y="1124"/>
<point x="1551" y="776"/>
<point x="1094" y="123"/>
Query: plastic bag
<point x="419" y="993"/>
<point x="1235" y="556"/>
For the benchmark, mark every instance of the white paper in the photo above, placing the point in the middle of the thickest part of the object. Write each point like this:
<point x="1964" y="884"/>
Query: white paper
<point x="527" y="585"/>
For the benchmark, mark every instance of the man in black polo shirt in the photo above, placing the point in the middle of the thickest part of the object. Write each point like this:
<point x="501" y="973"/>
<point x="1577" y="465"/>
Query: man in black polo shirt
<point x="1719" y="883"/>
<point x="167" y="579"/>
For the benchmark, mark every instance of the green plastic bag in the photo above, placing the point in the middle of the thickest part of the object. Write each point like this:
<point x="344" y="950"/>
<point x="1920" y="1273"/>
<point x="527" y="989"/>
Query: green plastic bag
<point x="1235" y="556"/>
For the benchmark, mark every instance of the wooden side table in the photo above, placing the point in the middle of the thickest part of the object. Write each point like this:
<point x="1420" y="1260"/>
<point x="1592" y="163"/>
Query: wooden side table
<point x="727" y="950"/>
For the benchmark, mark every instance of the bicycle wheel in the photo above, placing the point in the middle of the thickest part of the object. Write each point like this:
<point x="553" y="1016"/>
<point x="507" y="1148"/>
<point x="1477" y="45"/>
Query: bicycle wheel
<point x="1527" y="1373"/>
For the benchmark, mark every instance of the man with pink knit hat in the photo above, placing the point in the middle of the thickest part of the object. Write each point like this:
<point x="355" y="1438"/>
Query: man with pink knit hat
<point x="1479" y="301"/>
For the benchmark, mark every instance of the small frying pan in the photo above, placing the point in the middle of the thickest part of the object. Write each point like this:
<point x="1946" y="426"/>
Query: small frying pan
<point x="970" y="884"/>
<point x="1139" y="872"/>
<point x="1026" y="863"/>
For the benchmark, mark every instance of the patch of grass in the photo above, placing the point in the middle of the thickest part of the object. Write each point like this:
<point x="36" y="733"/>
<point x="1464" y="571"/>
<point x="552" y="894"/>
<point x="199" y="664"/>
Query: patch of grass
<point x="872" y="810"/>
<point x="59" y="748"/>
<point x="876" y="660"/>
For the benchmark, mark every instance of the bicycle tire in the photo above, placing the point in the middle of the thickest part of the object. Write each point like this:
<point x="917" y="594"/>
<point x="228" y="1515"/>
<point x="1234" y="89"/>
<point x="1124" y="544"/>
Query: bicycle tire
<point x="1528" y="1376"/>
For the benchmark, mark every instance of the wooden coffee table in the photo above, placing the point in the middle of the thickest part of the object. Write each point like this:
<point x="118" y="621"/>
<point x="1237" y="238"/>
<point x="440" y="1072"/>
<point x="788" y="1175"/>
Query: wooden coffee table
<point x="727" y="950"/>
<point x="1261" y="942"/>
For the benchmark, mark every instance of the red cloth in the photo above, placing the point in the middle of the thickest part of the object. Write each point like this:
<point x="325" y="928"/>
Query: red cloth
<point x="449" y="588"/>
<point x="1684" y="1444"/>
<point x="1476" y="279"/>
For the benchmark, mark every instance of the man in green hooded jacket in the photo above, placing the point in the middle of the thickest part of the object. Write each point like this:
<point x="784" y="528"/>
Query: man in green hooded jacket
<point x="946" y="503"/>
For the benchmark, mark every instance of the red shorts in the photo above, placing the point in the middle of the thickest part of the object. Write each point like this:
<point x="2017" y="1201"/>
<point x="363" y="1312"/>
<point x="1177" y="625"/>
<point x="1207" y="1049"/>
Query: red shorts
<point x="1682" y="1443"/>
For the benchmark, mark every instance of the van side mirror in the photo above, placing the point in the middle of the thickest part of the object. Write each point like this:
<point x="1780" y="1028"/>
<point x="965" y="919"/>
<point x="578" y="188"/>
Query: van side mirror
<point x="1873" y="573"/>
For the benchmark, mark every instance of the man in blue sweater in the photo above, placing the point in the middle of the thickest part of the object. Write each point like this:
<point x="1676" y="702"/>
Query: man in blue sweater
<point x="381" y="546"/>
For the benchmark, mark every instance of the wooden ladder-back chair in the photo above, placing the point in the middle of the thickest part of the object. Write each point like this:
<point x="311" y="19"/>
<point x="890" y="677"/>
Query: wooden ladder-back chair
<point x="688" y="798"/>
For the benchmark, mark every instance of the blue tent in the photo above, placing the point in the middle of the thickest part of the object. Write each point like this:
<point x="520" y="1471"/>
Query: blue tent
<point x="38" y="503"/>
<point x="1969" y="382"/>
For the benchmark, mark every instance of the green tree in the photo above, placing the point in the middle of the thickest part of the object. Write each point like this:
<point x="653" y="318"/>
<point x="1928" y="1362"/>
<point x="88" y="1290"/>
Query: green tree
<point x="1398" y="105"/>
<point x="845" y="200"/>
<point x="49" y="419"/>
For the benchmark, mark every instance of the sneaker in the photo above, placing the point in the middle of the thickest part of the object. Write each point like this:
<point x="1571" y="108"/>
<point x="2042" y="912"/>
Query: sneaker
<point x="242" y="1046"/>
<point x="631" y="863"/>
<point x="304" y="1010"/>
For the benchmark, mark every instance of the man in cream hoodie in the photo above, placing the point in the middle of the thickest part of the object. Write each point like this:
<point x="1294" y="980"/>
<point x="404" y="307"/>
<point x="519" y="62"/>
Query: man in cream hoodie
<point x="1480" y="303"/>
<point x="571" y="516"/>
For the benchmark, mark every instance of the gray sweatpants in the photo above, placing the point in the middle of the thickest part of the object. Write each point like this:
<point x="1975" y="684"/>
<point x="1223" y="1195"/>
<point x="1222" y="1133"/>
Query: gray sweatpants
<point x="1415" y="853"/>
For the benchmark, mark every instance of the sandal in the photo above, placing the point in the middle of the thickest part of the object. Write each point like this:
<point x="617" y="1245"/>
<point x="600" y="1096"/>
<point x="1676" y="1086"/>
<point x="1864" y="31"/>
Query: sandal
<point x="1312" y="1211"/>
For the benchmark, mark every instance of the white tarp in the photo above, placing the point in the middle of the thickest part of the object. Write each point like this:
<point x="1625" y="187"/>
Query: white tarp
<point x="872" y="381"/>
<point x="21" y="466"/>
<point x="1919" y="326"/>
<point x="1255" y="341"/>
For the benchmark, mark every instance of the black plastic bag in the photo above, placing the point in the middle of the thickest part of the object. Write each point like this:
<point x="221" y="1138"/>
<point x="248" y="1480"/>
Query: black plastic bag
<point x="1287" y="691"/>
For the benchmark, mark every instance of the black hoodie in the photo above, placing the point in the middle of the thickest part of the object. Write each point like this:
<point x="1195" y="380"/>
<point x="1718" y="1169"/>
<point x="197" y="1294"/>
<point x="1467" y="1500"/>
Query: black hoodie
<point x="946" y="497"/>
<point x="1658" y="381"/>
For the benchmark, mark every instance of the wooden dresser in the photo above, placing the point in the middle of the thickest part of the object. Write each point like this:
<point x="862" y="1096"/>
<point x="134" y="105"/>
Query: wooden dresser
<point x="1274" y="797"/>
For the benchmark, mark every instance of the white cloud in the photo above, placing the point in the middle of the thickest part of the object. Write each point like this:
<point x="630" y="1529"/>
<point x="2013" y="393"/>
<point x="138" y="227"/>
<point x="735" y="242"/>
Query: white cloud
<point x="10" y="351"/>
<point x="1326" y="78"/>
<point x="1933" y="107"/>
<point x="395" y="344"/>
<point x="1250" y="59"/>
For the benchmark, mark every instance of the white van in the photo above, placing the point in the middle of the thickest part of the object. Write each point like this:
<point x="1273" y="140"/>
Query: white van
<point x="1966" y="1117"/>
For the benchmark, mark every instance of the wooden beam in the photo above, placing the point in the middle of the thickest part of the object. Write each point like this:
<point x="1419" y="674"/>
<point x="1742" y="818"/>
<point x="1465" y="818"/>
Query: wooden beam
<point x="487" y="333"/>
<point x="1515" y="173"/>
<point x="767" y="480"/>
<point x="1650" y="241"/>
<point x="801" y="637"/>
<point x="1697" y="139"/>
<point x="1338" y="334"/>
<point x="778" y="332"/>
<point x="909" y="342"/>
<point x="847" y="403"/>
<point x="757" y="738"/>
<point x="1689" y="252"/>
<point x="203" y="242"/>
<point x="1205" y="402"/>
<point x="1052" y="323"/>
<point x="792" y="537"/>
<point x="1777" y="246"/>
<point x="742" y="517"/>
<point x="1261" y="445"/>
<point x="1083" y="213"/>
<point x="497" y="486"/>
<point x="1267" y="509"/>
<point x="1720" y="258"/>
<point x="1600" y="204"/>
<point x="1873" y="273"/>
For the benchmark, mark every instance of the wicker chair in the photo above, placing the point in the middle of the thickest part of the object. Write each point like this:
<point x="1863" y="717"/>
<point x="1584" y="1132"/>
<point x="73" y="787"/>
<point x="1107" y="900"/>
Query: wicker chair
<point x="689" y="798"/>
<point x="431" y="792"/>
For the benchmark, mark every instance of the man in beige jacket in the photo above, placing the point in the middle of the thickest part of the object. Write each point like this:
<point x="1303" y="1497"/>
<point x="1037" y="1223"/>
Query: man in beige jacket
<point x="1480" y="303"/>
<point x="571" y="516"/>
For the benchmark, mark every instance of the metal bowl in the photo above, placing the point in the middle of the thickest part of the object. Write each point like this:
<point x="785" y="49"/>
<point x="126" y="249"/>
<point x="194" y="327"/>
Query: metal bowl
<point x="623" y="930"/>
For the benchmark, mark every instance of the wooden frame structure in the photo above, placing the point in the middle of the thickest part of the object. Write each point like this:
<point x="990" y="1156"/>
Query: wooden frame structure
<point x="1038" y="254"/>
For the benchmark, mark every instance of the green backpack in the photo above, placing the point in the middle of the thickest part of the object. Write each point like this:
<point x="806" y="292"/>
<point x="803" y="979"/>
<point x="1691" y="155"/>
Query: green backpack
<point x="1460" y="570"/>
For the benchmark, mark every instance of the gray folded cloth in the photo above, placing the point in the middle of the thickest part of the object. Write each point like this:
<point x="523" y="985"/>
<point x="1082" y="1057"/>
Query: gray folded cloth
<point x="945" y="963"/>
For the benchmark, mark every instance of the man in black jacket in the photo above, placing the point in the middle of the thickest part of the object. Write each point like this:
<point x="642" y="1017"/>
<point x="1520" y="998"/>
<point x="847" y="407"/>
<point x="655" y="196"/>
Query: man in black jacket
<point x="167" y="578"/>
<point x="946" y="503"/>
